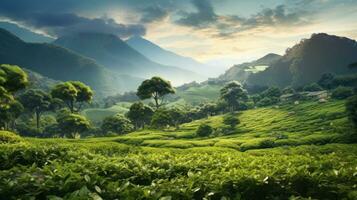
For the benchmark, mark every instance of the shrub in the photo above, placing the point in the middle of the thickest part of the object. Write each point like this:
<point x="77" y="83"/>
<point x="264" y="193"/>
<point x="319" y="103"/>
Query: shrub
<point x="9" y="137"/>
<point x="204" y="130"/>
<point x="117" y="124"/>
<point x="267" y="144"/>
<point x="312" y="87"/>
<point x="266" y="101"/>
<point x="351" y="108"/>
<point x="72" y="125"/>
<point x="231" y="120"/>
<point x="342" y="92"/>
<point x="161" y="119"/>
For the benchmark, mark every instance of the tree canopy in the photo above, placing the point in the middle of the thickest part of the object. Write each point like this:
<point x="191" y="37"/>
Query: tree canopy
<point x="12" y="78"/>
<point x="36" y="101"/>
<point x="73" y="94"/>
<point x="232" y="93"/>
<point x="72" y="125"/>
<point x="117" y="124"/>
<point x="140" y="114"/>
<point x="155" y="88"/>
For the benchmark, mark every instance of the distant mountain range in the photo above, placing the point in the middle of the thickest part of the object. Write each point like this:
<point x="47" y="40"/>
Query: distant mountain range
<point x="62" y="64"/>
<point x="113" y="53"/>
<point x="165" y="57"/>
<point x="25" y="34"/>
<point x="302" y="64"/>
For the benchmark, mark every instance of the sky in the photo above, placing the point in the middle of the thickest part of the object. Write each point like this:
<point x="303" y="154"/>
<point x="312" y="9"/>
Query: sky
<point x="216" y="32"/>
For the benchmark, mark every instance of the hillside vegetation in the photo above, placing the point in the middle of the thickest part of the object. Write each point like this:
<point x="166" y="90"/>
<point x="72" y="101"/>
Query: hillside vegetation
<point x="176" y="164"/>
<point x="288" y="125"/>
<point x="62" y="64"/>
<point x="305" y="62"/>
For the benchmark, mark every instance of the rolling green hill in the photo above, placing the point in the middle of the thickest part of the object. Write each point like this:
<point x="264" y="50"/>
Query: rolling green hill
<point x="61" y="64"/>
<point x="287" y="152"/>
<point x="291" y="125"/>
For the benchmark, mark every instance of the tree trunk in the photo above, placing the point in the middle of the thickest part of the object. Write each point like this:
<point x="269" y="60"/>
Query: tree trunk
<point x="37" y="119"/>
<point x="156" y="98"/>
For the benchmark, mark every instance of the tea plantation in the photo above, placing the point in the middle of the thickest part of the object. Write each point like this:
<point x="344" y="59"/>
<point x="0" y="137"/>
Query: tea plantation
<point x="287" y="152"/>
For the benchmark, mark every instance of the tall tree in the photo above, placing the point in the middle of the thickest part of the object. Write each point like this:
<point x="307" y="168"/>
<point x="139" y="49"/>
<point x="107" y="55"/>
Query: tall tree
<point x="155" y="88"/>
<point x="36" y="101"/>
<point x="9" y="113"/>
<point x="73" y="94"/>
<point x="232" y="93"/>
<point x="12" y="79"/>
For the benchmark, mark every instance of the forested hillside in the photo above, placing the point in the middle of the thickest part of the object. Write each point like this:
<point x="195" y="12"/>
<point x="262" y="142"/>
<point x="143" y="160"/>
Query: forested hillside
<point x="62" y="64"/>
<point x="305" y="62"/>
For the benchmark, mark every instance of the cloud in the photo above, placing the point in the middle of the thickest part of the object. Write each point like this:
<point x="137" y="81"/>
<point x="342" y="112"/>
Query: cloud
<point x="153" y="13"/>
<point x="226" y="25"/>
<point x="204" y="16"/>
<point x="63" y="20"/>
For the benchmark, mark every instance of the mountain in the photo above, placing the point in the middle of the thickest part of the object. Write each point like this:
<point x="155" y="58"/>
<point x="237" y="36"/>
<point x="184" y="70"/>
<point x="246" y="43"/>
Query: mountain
<point x="38" y="81"/>
<point x="113" y="53"/>
<point x="25" y="34"/>
<point x="307" y="61"/>
<point x="242" y="71"/>
<point x="62" y="64"/>
<point x="165" y="57"/>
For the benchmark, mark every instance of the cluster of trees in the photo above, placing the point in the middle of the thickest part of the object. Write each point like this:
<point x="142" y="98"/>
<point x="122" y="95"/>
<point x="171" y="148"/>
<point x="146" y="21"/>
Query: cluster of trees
<point x="29" y="105"/>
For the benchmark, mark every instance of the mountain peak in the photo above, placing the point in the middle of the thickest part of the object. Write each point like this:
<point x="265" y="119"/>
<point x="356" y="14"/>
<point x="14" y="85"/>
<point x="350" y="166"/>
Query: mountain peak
<point x="8" y="36"/>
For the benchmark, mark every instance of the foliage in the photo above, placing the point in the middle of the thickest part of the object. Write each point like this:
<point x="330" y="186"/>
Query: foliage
<point x="271" y="92"/>
<point x="266" y="101"/>
<point x="232" y="93"/>
<point x="72" y="125"/>
<point x="161" y="119"/>
<point x="106" y="170"/>
<point x="10" y="113"/>
<point x="12" y="78"/>
<point x="313" y="87"/>
<point x="36" y="101"/>
<point x="231" y="120"/>
<point x="117" y="124"/>
<point x="204" y="130"/>
<point x="155" y="88"/>
<point x="140" y="114"/>
<point x="342" y="92"/>
<point x="326" y="81"/>
<point x="351" y="108"/>
<point x="9" y="137"/>
<point x="73" y="93"/>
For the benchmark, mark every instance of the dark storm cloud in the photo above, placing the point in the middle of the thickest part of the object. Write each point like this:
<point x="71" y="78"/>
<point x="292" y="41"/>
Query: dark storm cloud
<point x="204" y="16"/>
<point x="153" y="13"/>
<point x="57" y="18"/>
<point x="226" y="25"/>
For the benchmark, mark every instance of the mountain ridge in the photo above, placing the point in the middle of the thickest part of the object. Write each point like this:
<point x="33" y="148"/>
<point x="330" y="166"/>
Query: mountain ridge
<point x="306" y="61"/>
<point x="62" y="64"/>
<point x="113" y="53"/>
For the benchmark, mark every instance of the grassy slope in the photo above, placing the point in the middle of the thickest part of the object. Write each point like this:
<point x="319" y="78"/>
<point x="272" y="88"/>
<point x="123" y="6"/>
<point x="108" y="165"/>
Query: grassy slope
<point x="195" y="95"/>
<point x="308" y="123"/>
<point x="196" y="168"/>
<point x="96" y="115"/>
